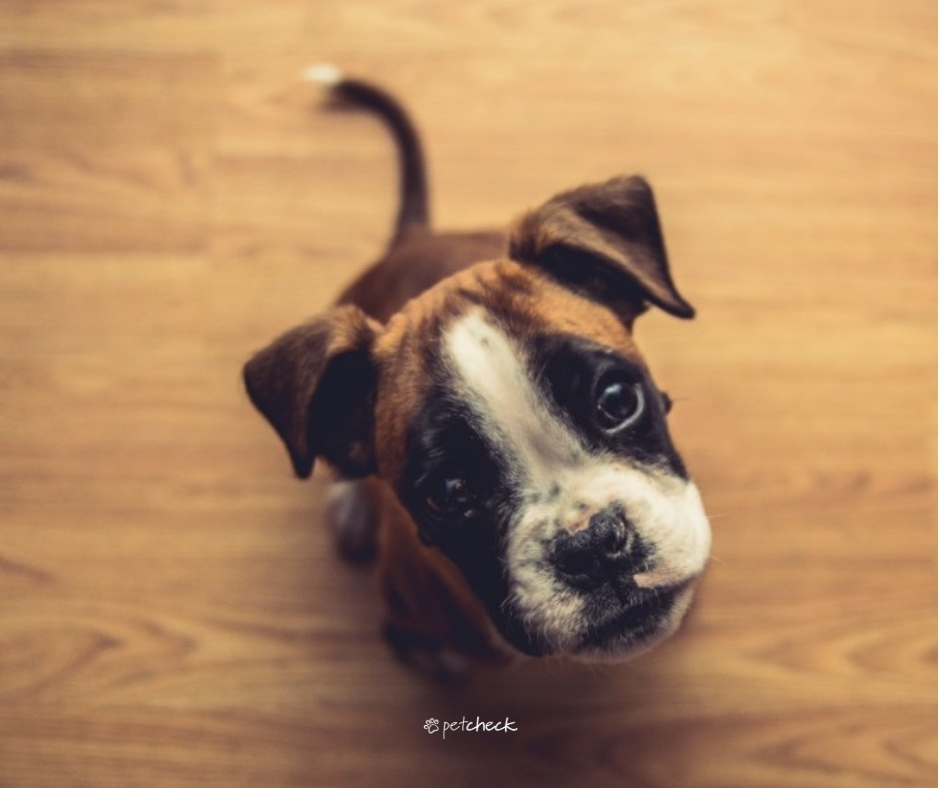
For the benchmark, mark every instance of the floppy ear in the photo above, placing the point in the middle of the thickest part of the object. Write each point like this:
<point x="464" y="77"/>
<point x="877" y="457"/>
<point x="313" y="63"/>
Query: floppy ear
<point x="604" y="240"/>
<point x="316" y="386"/>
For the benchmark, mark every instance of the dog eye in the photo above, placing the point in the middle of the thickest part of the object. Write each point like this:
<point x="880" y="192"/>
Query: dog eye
<point x="450" y="495"/>
<point x="619" y="403"/>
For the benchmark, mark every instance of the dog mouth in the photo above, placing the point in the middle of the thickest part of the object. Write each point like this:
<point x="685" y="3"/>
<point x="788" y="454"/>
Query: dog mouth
<point x="609" y="627"/>
<point x="645" y="615"/>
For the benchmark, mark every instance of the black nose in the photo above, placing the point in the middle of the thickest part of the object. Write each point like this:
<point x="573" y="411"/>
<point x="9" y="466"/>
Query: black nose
<point x="608" y="548"/>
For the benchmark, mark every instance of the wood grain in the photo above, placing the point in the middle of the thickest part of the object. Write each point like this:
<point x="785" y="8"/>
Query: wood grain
<point x="172" y="196"/>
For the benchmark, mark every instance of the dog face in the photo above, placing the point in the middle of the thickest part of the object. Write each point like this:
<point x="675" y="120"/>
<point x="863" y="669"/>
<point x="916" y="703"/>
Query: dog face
<point x="509" y="408"/>
<point x="536" y="456"/>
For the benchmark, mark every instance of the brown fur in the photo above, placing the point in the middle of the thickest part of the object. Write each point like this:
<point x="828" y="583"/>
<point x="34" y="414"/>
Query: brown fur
<point x="427" y="257"/>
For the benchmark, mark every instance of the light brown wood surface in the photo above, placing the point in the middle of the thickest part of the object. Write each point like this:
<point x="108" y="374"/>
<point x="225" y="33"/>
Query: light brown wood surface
<point x="172" y="196"/>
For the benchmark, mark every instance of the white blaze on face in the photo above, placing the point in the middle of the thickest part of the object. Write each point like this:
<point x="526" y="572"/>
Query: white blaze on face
<point x="561" y="484"/>
<point x="509" y="407"/>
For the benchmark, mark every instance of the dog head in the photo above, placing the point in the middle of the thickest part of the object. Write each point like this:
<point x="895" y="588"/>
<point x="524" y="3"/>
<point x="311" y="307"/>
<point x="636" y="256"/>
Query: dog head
<point x="511" y="411"/>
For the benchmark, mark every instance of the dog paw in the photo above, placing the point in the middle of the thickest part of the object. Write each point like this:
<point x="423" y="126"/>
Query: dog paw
<point x="428" y="656"/>
<point x="352" y="520"/>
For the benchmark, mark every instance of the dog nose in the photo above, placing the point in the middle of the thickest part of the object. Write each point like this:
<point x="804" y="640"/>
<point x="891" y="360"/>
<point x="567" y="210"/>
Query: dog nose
<point x="594" y="555"/>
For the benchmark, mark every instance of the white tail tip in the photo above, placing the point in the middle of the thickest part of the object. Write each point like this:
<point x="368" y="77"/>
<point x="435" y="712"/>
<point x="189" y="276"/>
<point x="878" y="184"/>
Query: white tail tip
<point x="325" y="74"/>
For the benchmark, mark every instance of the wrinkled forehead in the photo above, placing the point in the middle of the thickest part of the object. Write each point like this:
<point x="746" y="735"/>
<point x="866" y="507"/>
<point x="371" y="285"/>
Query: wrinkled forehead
<point x="473" y="341"/>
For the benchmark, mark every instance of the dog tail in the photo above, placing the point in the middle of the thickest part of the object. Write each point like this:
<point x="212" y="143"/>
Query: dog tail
<point x="413" y="188"/>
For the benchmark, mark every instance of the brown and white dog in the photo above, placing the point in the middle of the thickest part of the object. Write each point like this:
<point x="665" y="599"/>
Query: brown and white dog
<point x="499" y="440"/>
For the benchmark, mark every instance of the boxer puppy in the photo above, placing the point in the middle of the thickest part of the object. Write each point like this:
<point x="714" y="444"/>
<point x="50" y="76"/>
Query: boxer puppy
<point x="498" y="438"/>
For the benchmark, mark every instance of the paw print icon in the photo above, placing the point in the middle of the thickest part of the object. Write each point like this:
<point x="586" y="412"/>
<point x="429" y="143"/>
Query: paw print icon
<point x="431" y="725"/>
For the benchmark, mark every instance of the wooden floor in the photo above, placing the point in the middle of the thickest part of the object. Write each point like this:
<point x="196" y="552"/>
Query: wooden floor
<point x="172" y="196"/>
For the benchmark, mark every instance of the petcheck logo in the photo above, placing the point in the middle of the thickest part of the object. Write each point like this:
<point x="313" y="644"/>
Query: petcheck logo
<point x="506" y="726"/>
